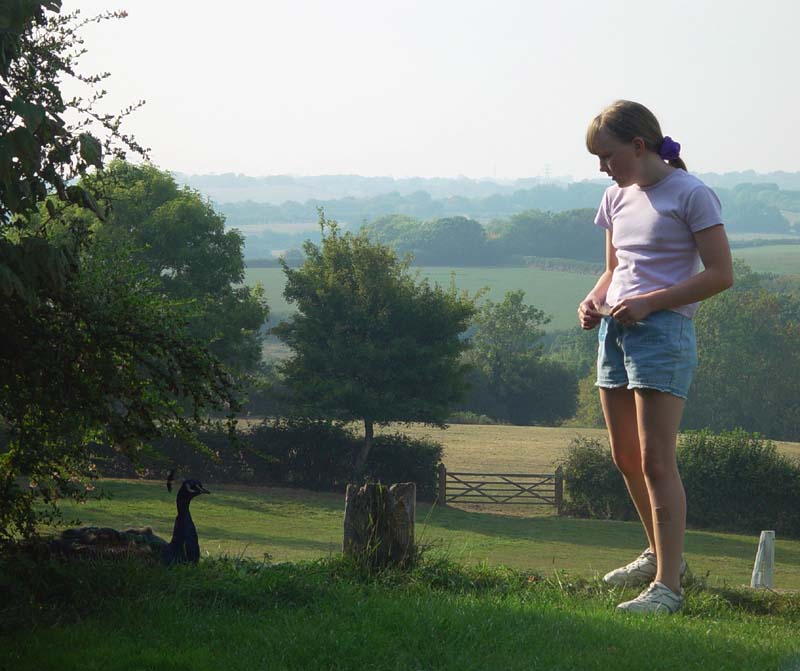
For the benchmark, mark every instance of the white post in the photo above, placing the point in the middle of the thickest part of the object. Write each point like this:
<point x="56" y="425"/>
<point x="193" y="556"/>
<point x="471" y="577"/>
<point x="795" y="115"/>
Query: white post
<point x="764" y="566"/>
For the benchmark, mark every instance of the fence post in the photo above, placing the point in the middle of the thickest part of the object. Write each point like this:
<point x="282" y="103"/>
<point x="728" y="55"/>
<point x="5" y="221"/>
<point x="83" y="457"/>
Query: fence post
<point x="559" y="490"/>
<point x="764" y="566"/>
<point x="442" y="499"/>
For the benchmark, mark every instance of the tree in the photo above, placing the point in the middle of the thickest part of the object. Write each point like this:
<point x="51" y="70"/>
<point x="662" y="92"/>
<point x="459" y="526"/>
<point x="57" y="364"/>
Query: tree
<point x="513" y="380"/>
<point x="748" y="341"/>
<point x="176" y="234"/>
<point x="89" y="347"/>
<point x="370" y="342"/>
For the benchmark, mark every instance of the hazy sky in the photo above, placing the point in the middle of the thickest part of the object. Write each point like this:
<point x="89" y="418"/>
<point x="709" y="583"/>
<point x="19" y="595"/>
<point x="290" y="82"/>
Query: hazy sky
<point x="445" y="88"/>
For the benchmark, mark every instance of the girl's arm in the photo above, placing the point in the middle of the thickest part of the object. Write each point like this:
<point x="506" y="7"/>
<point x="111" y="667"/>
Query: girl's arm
<point x="587" y="311"/>
<point x="715" y="252"/>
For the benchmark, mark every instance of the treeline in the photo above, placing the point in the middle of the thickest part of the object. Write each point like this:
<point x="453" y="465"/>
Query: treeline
<point x="462" y="241"/>
<point x="527" y="238"/>
<point x="492" y="227"/>
<point x="419" y="204"/>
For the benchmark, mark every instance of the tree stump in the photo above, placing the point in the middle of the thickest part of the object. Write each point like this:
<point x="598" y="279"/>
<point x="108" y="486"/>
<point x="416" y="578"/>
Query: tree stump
<point x="379" y="524"/>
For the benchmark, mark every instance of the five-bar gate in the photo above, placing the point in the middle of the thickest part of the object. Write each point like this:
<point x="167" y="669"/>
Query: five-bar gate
<point x="502" y="488"/>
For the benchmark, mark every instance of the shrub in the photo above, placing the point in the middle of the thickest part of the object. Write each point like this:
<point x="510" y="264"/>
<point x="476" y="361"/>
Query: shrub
<point x="469" y="417"/>
<point x="593" y="485"/>
<point x="296" y="451"/>
<point x="398" y="458"/>
<point x="734" y="480"/>
<point x="738" y="480"/>
<point x="222" y="460"/>
<point x="308" y="453"/>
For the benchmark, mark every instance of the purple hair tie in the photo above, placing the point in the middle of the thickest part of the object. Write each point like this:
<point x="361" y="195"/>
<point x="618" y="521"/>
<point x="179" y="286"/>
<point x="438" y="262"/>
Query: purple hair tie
<point x="669" y="149"/>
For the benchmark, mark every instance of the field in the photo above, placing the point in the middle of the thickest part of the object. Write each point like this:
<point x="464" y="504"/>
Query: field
<point x="778" y="259"/>
<point x="558" y="293"/>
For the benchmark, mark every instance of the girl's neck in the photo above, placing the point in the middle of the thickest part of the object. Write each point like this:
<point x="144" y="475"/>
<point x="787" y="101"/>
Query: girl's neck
<point x="653" y="171"/>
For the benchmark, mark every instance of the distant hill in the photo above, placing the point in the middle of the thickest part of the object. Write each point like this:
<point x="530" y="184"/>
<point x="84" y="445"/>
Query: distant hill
<point x="758" y="206"/>
<point x="277" y="189"/>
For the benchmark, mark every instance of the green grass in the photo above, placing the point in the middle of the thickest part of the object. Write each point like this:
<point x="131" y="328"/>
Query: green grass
<point x="778" y="259"/>
<point x="328" y="615"/>
<point x="290" y="525"/>
<point x="555" y="292"/>
<point x="764" y="236"/>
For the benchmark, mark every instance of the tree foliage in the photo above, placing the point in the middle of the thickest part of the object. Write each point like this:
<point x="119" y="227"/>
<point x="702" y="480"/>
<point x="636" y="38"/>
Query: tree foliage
<point x="181" y="240"/>
<point x="511" y="380"/>
<point x="90" y="349"/>
<point x="371" y="342"/>
<point x="748" y="341"/>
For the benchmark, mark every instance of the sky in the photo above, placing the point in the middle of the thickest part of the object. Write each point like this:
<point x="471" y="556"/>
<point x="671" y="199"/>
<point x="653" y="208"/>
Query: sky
<point x="439" y="88"/>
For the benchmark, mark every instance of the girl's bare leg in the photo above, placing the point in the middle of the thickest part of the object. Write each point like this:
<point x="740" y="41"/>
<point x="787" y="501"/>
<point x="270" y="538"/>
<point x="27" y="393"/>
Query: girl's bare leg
<point x="619" y="409"/>
<point x="658" y="418"/>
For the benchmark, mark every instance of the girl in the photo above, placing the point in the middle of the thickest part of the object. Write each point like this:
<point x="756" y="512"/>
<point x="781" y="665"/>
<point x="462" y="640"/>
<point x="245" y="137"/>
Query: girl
<point x="660" y="222"/>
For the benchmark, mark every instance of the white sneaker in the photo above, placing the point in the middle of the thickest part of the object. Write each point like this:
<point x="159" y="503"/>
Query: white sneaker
<point x="640" y="571"/>
<point x="657" y="598"/>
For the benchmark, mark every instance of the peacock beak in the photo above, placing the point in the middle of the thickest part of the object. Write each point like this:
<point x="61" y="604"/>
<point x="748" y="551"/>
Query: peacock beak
<point x="203" y="490"/>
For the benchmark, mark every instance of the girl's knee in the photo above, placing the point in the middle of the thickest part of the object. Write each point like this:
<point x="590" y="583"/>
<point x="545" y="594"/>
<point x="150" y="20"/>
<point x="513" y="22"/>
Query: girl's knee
<point x="658" y="465"/>
<point x="627" y="459"/>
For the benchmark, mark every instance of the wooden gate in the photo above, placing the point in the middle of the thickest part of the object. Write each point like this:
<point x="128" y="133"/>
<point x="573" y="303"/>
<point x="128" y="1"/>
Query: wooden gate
<point x="502" y="488"/>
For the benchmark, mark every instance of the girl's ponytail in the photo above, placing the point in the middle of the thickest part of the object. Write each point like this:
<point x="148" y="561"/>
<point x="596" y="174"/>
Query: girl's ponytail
<point x="626" y="120"/>
<point x="677" y="163"/>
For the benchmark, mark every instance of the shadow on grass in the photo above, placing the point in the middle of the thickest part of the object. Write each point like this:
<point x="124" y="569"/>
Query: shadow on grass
<point x="606" y="534"/>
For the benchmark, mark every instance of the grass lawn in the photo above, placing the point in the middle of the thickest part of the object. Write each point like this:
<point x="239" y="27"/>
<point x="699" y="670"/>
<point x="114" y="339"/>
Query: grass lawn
<point x="100" y="616"/>
<point x="513" y="449"/>
<point x="509" y="588"/>
<point x="291" y="524"/>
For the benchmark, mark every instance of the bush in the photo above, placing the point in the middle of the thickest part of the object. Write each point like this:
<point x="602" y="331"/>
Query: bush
<point x="295" y="451"/>
<point x="593" y="485"/>
<point x="398" y="458"/>
<point x="734" y="480"/>
<point x="302" y="452"/>
<point x="469" y="417"/>
<point x="222" y="460"/>
<point x="738" y="480"/>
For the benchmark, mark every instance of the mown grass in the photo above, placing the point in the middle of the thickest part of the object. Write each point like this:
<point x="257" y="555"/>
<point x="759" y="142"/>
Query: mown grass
<point x="328" y="614"/>
<point x="512" y="449"/>
<point x="291" y="525"/>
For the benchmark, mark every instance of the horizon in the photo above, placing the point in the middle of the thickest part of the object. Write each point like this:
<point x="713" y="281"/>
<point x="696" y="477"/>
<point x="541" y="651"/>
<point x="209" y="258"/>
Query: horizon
<point x="499" y="180"/>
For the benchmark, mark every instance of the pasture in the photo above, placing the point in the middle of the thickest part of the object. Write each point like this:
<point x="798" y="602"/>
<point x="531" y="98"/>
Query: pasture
<point x="556" y="292"/>
<point x="293" y="524"/>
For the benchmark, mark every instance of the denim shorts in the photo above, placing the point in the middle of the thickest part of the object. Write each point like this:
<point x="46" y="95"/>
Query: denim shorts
<point x="658" y="352"/>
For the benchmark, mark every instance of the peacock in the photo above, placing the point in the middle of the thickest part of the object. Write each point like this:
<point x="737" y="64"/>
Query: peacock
<point x="184" y="546"/>
<point x="142" y="543"/>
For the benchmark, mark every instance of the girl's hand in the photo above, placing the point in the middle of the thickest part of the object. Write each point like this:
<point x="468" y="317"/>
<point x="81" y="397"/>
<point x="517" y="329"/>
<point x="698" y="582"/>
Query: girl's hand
<point x="631" y="310"/>
<point x="588" y="314"/>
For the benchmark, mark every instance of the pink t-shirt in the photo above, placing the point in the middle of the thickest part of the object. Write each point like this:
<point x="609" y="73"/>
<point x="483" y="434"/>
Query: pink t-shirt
<point x="652" y="230"/>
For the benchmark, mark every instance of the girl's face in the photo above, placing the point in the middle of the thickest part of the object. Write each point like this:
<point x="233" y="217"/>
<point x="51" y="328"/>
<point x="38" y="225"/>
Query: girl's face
<point x="619" y="160"/>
